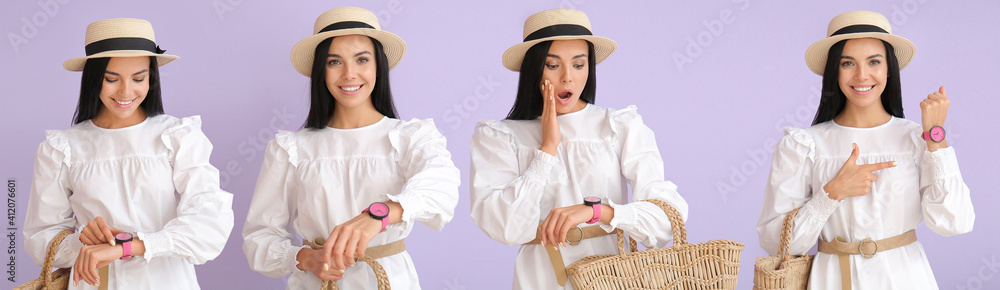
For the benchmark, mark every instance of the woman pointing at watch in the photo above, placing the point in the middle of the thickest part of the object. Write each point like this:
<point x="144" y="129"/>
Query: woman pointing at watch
<point x="863" y="176"/>
<point x="552" y="176"/>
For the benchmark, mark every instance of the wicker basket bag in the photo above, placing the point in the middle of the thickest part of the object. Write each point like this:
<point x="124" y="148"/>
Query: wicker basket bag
<point x="708" y="265"/>
<point x="784" y="271"/>
<point x="58" y="279"/>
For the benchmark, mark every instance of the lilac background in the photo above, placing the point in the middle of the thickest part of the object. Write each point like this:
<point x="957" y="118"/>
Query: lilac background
<point x="717" y="117"/>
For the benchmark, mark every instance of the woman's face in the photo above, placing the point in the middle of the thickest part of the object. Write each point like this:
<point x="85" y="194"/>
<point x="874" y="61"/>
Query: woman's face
<point x="351" y="70"/>
<point x="125" y="85"/>
<point x="863" y="71"/>
<point x="566" y="67"/>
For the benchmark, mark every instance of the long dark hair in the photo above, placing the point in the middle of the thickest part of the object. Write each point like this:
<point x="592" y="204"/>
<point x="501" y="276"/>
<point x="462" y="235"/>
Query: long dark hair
<point x="528" y="104"/>
<point x="833" y="100"/>
<point x="92" y="82"/>
<point x="321" y="103"/>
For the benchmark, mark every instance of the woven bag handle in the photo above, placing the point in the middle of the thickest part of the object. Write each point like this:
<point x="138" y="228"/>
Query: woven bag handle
<point x="676" y="226"/>
<point x="50" y="256"/>
<point x="380" y="276"/>
<point x="786" y="237"/>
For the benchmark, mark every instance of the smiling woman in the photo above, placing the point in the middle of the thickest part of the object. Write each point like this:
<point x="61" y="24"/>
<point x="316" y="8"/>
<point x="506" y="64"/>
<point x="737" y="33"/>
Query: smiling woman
<point x="137" y="183"/>
<point x="355" y="179"/>
<point x="856" y="203"/>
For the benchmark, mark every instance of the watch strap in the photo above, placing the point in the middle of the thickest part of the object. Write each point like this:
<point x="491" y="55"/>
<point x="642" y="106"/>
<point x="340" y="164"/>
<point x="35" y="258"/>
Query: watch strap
<point x="597" y="214"/>
<point x="385" y="220"/>
<point x="127" y="250"/>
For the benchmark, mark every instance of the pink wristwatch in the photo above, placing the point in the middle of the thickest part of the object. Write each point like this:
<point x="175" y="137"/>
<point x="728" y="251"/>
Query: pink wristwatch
<point x="125" y="239"/>
<point x="379" y="211"/>
<point x="594" y="202"/>
<point x="936" y="134"/>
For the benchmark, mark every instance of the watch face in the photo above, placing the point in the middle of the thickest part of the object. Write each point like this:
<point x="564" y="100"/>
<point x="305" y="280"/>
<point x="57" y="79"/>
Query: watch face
<point x="591" y="200"/>
<point x="379" y="209"/>
<point x="937" y="134"/>
<point x="123" y="236"/>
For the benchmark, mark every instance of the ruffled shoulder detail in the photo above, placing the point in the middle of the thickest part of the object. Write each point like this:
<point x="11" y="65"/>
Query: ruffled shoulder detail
<point x="496" y="130"/>
<point x="178" y="129"/>
<point x="413" y="134"/>
<point x="620" y="119"/>
<point x="286" y="140"/>
<point x="800" y="140"/>
<point x="59" y="142"/>
<point x="498" y="126"/>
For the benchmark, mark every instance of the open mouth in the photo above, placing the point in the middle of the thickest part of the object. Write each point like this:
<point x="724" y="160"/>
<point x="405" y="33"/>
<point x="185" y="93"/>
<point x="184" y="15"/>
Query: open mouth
<point x="863" y="89"/>
<point x="565" y="95"/>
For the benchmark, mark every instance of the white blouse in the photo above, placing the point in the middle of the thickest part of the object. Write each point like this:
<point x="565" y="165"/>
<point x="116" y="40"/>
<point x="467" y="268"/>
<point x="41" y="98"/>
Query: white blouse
<point x="153" y="178"/>
<point x="313" y="180"/>
<point x="515" y="185"/>
<point x="924" y="186"/>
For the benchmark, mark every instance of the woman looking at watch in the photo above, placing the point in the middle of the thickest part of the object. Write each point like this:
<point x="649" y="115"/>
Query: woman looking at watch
<point x="355" y="180"/>
<point x="559" y="162"/>
<point x="127" y="169"/>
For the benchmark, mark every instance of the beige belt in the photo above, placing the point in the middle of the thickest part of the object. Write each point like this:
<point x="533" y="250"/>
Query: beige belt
<point x="376" y="252"/>
<point x="574" y="236"/>
<point x="866" y="248"/>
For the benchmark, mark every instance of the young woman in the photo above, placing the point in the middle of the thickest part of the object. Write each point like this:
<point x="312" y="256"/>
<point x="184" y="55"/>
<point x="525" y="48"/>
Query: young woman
<point x="136" y="182"/>
<point x="355" y="175"/>
<point x="559" y="163"/>
<point x="865" y="177"/>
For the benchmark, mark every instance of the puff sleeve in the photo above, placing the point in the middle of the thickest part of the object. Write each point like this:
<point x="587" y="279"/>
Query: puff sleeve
<point x="204" y="212"/>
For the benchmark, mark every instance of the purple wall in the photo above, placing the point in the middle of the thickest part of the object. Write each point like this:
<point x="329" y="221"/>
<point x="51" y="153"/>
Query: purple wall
<point x="717" y="115"/>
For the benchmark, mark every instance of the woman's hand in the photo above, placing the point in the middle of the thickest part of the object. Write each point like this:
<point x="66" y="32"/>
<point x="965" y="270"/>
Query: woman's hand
<point x="97" y="231"/>
<point x="349" y="239"/>
<point x="561" y="220"/>
<point x="312" y="261"/>
<point x="854" y="179"/>
<point x="90" y="259"/>
<point x="933" y="111"/>
<point x="550" y="126"/>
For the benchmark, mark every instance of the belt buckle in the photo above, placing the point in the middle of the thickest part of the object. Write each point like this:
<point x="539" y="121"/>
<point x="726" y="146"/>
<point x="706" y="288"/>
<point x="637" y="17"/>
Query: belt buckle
<point x="577" y="242"/>
<point x="868" y="248"/>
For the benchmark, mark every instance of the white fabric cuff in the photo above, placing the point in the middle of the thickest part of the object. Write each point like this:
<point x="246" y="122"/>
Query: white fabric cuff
<point x="625" y="215"/>
<point x="289" y="259"/>
<point x="941" y="163"/>
<point x="820" y="207"/>
<point x="541" y="166"/>
<point x="157" y="244"/>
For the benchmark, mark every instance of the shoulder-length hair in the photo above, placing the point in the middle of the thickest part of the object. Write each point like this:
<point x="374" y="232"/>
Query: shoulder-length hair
<point x="833" y="100"/>
<point x="321" y="102"/>
<point x="528" y="104"/>
<point x="92" y="82"/>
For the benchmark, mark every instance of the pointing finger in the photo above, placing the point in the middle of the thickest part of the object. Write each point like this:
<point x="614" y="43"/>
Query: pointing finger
<point x="879" y="166"/>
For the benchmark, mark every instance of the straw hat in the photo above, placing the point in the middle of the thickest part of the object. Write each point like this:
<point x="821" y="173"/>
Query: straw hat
<point x="556" y="24"/>
<point x="858" y="24"/>
<point x="121" y="37"/>
<point x="346" y="21"/>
